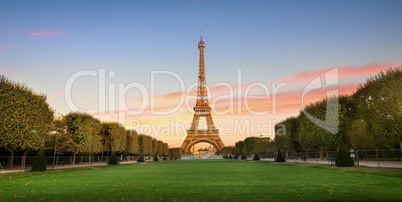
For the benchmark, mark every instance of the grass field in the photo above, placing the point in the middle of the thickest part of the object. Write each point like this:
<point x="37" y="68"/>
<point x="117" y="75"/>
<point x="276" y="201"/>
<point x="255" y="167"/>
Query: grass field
<point x="205" y="180"/>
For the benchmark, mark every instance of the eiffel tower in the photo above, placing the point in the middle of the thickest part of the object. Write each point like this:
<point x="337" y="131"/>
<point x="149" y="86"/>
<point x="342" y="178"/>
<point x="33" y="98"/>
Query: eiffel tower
<point x="202" y="109"/>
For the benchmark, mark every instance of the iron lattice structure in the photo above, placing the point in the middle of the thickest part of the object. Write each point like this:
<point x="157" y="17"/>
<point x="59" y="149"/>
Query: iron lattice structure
<point x="202" y="109"/>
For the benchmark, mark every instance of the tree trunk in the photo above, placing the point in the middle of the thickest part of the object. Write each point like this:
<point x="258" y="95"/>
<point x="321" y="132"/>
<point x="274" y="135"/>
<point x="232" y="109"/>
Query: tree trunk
<point x="10" y="160"/>
<point x="321" y="154"/>
<point x="400" y="144"/>
<point x="74" y="159"/>
<point x="24" y="161"/>
<point x="55" y="148"/>
<point x="102" y="156"/>
<point x="287" y="154"/>
<point x="306" y="156"/>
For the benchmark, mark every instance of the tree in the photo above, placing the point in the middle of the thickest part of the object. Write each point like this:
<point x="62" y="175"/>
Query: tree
<point x="154" y="146"/>
<point x="59" y="139"/>
<point x="256" y="157"/>
<point x="113" y="159"/>
<point x="145" y="144"/>
<point x="132" y="143"/>
<point x="141" y="158"/>
<point x="379" y="104"/>
<point x="239" y="148"/>
<point x="343" y="158"/>
<point x="279" y="157"/>
<point x="267" y="145"/>
<point x="287" y="135"/>
<point x="226" y="151"/>
<point x="176" y="152"/>
<point x="165" y="149"/>
<point x="337" y="111"/>
<point x="25" y="118"/>
<point x="252" y="145"/>
<point x="160" y="148"/>
<point x="156" y="158"/>
<point x="83" y="130"/>
<point x="313" y="135"/>
<point x="115" y="136"/>
<point x="39" y="163"/>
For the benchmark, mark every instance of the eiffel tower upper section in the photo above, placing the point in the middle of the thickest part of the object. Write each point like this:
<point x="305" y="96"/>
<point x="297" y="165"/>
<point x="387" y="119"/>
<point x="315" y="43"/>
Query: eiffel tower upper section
<point x="202" y="95"/>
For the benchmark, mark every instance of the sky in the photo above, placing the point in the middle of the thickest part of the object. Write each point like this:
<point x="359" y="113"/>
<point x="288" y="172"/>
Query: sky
<point x="136" y="62"/>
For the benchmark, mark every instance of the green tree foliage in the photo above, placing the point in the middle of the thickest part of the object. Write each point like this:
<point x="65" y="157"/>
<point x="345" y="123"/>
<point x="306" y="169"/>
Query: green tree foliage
<point x="379" y="103"/>
<point x="252" y="145"/>
<point x="256" y="157"/>
<point x="368" y="118"/>
<point x="141" y="158"/>
<point x="156" y="158"/>
<point x="279" y="157"/>
<point x="160" y="148"/>
<point x="226" y="151"/>
<point x="25" y="118"/>
<point x="132" y="142"/>
<point x="343" y="158"/>
<point x="287" y="134"/>
<point x="145" y="144"/>
<point x="313" y="135"/>
<point x="113" y="159"/>
<point x="176" y="152"/>
<point x="115" y="136"/>
<point x="239" y="148"/>
<point x="165" y="149"/>
<point x="39" y="163"/>
<point x="154" y="146"/>
<point x="58" y="139"/>
<point x="266" y="145"/>
<point x="83" y="131"/>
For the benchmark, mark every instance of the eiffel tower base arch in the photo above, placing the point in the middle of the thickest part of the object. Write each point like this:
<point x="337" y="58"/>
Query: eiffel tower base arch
<point x="189" y="142"/>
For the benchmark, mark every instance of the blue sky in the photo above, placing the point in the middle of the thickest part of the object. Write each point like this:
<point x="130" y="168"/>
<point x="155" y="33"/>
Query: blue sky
<point x="42" y="43"/>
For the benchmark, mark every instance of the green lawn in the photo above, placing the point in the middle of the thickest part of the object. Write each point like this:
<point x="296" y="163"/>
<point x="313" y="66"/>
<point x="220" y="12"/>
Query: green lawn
<point x="205" y="180"/>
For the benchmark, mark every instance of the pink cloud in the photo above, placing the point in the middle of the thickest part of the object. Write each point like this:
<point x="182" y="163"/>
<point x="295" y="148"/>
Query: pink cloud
<point x="2" y="48"/>
<point x="61" y="94"/>
<point x="44" y="33"/>
<point x="2" y="69"/>
<point x="287" y="102"/>
<point x="6" y="47"/>
<point x="302" y="78"/>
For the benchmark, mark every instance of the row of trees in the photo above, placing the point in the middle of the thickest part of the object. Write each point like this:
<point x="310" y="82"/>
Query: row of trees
<point x="253" y="145"/>
<point x="24" y="118"/>
<point x="27" y="124"/>
<point x="369" y="118"/>
<point x="80" y="133"/>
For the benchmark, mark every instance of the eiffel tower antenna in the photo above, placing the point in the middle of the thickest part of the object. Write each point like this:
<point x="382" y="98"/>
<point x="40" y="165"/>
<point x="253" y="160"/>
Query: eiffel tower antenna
<point x="202" y="109"/>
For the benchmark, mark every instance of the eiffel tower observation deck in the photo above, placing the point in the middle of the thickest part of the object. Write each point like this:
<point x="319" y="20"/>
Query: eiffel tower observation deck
<point x="202" y="110"/>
